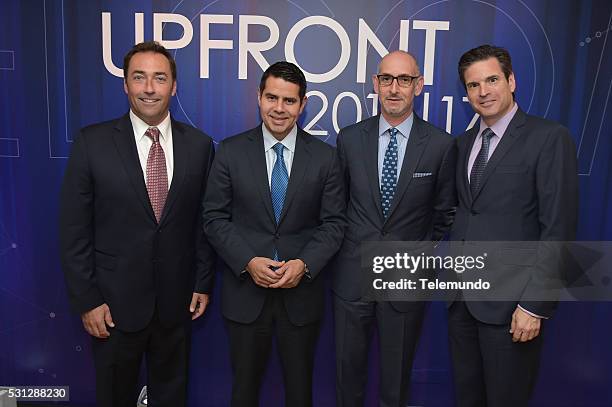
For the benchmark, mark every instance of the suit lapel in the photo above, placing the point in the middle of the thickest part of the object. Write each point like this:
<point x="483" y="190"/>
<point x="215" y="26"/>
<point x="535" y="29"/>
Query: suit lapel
<point x="181" y="158"/>
<point x="510" y="136"/>
<point x="257" y="158"/>
<point x="414" y="150"/>
<point x="465" y="182"/>
<point x="126" y="146"/>
<point x="370" y="145"/>
<point x="301" y="158"/>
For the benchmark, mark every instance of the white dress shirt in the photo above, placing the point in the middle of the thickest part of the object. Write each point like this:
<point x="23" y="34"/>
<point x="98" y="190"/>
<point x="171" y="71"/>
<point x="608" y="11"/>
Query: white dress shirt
<point x="288" y="151"/>
<point x="144" y="143"/>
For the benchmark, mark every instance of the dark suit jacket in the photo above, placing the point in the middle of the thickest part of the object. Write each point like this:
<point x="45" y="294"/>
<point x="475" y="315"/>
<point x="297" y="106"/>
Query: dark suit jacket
<point x="240" y="223"/>
<point x="113" y="251"/>
<point x="528" y="192"/>
<point x="422" y="208"/>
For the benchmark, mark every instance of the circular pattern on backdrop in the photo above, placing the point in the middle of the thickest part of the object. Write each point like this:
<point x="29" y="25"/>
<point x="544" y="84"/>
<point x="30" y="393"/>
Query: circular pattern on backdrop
<point x="515" y="23"/>
<point x="196" y="15"/>
<point x="589" y="39"/>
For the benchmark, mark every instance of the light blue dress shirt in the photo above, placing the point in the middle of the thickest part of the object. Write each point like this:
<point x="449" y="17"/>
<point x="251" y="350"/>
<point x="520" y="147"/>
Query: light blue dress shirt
<point x="384" y="138"/>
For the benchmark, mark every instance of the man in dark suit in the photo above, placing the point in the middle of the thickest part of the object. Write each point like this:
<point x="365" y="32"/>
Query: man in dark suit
<point x="134" y="255"/>
<point x="399" y="175"/>
<point x="274" y="211"/>
<point x="516" y="181"/>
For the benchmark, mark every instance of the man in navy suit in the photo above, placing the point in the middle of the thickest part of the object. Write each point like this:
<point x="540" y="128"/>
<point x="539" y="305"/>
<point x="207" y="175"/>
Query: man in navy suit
<point x="274" y="211"/>
<point x="137" y="265"/>
<point x="516" y="181"/>
<point x="399" y="176"/>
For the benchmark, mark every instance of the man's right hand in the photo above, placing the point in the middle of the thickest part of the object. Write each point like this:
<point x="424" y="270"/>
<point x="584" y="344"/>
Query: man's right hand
<point x="260" y="271"/>
<point x="95" y="321"/>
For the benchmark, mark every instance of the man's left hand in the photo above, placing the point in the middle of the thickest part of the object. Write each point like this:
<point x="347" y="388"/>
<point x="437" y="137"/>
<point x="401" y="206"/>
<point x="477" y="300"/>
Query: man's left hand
<point x="293" y="271"/>
<point x="198" y="305"/>
<point x="524" y="327"/>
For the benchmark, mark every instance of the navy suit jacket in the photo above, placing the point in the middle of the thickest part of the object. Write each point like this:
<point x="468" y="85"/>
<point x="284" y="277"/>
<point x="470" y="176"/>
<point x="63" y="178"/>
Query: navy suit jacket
<point x="240" y="224"/>
<point x="422" y="207"/>
<point x="528" y="192"/>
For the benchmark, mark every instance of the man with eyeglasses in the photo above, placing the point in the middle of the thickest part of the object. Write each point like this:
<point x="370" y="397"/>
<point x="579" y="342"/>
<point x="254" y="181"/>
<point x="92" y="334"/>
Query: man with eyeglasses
<point x="399" y="176"/>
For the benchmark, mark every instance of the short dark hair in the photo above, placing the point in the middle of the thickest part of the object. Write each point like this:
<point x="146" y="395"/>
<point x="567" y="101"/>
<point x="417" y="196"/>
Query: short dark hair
<point x="286" y="71"/>
<point x="148" y="46"/>
<point x="482" y="53"/>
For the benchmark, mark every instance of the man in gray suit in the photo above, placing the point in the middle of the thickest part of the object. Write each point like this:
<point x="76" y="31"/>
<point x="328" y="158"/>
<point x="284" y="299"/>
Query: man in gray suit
<point x="399" y="176"/>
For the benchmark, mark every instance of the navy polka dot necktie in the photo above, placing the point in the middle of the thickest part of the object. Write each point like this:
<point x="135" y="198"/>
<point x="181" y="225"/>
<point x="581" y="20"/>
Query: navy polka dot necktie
<point x="389" y="174"/>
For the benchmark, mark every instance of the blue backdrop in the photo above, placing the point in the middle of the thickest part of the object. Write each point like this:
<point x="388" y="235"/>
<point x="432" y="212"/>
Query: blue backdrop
<point x="58" y="72"/>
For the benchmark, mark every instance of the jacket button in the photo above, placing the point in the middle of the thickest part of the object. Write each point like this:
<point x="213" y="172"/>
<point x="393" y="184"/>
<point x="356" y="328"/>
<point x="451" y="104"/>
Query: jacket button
<point x="276" y="236"/>
<point x="473" y="212"/>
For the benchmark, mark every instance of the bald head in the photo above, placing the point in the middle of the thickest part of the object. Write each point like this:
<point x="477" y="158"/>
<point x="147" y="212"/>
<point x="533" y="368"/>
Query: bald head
<point x="400" y="58"/>
<point x="397" y="83"/>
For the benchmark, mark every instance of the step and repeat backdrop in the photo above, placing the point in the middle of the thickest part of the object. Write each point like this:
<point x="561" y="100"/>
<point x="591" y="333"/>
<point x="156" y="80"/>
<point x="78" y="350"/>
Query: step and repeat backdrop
<point x="60" y="69"/>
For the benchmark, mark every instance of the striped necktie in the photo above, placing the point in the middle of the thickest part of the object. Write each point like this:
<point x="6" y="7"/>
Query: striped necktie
<point x="481" y="161"/>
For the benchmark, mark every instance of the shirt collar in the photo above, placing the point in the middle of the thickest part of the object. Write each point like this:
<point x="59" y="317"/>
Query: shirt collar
<point x="500" y="126"/>
<point x="270" y="140"/>
<point x="140" y="127"/>
<point x="404" y="127"/>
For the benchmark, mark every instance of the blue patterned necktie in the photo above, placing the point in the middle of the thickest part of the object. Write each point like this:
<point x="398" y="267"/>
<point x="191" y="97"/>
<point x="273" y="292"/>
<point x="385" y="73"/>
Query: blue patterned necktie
<point x="278" y="185"/>
<point x="481" y="161"/>
<point x="280" y="179"/>
<point x="389" y="174"/>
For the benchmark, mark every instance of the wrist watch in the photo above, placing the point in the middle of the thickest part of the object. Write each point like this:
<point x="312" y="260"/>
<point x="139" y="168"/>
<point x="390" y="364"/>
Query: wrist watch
<point x="306" y="270"/>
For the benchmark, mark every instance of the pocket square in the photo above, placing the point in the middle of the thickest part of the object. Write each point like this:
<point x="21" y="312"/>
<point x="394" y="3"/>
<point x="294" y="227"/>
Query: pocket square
<point x="421" y="174"/>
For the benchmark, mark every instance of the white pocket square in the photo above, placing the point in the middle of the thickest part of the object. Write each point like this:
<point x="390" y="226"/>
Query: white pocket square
<point x="421" y="174"/>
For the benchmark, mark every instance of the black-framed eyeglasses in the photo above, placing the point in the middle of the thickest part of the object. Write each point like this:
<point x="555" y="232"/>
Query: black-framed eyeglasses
<point x="402" y="80"/>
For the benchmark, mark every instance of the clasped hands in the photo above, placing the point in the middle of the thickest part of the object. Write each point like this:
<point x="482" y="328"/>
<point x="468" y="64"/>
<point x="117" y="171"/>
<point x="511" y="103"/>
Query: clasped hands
<point x="286" y="275"/>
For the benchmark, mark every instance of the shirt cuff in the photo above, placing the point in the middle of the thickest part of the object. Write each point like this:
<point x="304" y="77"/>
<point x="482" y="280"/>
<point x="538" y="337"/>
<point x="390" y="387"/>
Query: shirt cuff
<point x="531" y="313"/>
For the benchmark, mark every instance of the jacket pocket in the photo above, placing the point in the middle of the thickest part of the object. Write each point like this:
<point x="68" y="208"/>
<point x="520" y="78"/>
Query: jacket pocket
<point x="518" y="256"/>
<point x="105" y="261"/>
<point x="511" y="169"/>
